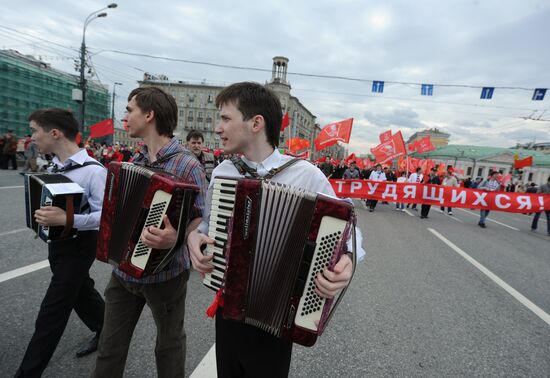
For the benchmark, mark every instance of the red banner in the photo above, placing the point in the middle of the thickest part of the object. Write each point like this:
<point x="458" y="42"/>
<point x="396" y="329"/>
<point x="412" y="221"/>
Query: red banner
<point x="527" y="162"/>
<point x="385" y="136"/>
<point x="438" y="195"/>
<point x="424" y="145"/>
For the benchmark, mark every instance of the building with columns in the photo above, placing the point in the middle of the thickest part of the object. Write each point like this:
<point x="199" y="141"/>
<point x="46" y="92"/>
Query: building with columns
<point x="478" y="161"/>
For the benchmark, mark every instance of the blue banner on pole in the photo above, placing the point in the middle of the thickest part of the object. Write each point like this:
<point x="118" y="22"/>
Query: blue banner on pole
<point x="538" y="94"/>
<point x="427" y="90"/>
<point x="487" y="93"/>
<point x="378" y="86"/>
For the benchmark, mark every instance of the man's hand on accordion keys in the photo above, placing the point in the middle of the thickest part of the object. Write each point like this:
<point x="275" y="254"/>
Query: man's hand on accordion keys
<point x="330" y="283"/>
<point x="50" y="216"/>
<point x="195" y="243"/>
<point x="160" y="238"/>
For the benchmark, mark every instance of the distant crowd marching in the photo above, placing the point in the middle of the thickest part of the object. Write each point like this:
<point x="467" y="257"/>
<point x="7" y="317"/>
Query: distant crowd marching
<point x="10" y="147"/>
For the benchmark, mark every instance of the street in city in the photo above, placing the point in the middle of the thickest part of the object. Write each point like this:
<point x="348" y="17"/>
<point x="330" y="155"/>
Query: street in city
<point x="434" y="297"/>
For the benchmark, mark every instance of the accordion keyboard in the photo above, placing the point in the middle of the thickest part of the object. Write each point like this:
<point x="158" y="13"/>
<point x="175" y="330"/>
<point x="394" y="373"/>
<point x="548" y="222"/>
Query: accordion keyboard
<point x="223" y="202"/>
<point x="158" y="208"/>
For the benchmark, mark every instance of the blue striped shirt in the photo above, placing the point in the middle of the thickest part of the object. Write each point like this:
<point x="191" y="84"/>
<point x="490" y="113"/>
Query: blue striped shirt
<point x="187" y="167"/>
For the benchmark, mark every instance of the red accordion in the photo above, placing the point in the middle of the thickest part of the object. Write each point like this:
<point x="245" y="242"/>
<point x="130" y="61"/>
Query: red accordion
<point x="137" y="197"/>
<point x="271" y="241"/>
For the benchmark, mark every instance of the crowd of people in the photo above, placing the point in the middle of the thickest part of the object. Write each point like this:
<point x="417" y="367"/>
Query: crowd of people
<point x="493" y="183"/>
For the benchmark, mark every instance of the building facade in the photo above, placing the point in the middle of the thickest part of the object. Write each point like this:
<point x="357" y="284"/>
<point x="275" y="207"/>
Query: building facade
<point x="28" y="84"/>
<point x="197" y="109"/>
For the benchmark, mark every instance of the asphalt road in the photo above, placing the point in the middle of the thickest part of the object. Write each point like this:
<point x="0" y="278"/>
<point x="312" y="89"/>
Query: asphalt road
<point x="416" y="307"/>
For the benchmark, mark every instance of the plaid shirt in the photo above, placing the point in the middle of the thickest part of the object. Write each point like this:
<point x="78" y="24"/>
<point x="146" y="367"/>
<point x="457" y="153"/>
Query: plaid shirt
<point x="187" y="167"/>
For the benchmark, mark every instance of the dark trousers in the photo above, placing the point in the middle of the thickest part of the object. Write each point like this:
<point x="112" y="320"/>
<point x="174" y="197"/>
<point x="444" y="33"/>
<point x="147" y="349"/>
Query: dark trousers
<point x="7" y="159"/>
<point x="124" y="304"/>
<point x="372" y="203"/>
<point x="535" y="222"/>
<point x="70" y="288"/>
<point x="244" y="351"/>
<point x="424" y="210"/>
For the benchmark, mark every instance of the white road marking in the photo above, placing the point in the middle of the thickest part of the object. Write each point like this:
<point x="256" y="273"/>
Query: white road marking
<point x="513" y="292"/>
<point x="408" y="212"/>
<point x="14" y="231"/>
<point x="455" y="218"/>
<point x="207" y="367"/>
<point x="490" y="220"/>
<point x="24" y="270"/>
<point x="12" y="187"/>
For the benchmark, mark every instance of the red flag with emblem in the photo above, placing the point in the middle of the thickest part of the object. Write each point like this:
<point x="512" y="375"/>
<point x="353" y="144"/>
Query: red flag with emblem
<point x="385" y="136"/>
<point x="424" y="145"/>
<point x="334" y="133"/>
<point x="297" y="144"/>
<point x="350" y="158"/>
<point x="390" y="150"/>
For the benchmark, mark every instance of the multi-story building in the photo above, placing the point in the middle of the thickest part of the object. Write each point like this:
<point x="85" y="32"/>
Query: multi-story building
<point x="438" y="138"/>
<point x="544" y="147"/>
<point x="28" y="84"/>
<point x="197" y="108"/>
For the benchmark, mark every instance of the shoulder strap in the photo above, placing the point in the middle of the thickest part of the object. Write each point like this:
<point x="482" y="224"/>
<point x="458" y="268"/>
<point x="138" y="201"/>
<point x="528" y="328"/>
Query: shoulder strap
<point x="275" y="171"/>
<point x="243" y="168"/>
<point x="75" y="166"/>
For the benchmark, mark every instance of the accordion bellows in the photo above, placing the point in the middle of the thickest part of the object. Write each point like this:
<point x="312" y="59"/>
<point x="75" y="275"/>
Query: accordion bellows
<point x="137" y="197"/>
<point x="271" y="242"/>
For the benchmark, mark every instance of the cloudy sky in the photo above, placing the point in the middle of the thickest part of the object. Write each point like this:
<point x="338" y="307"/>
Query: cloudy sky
<point x="463" y="43"/>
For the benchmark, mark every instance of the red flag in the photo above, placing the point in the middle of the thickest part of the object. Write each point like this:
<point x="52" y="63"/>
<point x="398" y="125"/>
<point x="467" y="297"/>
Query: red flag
<point x="412" y="146"/>
<point x="350" y="158"/>
<point x="424" y="145"/>
<point x="285" y="122"/>
<point x="334" y="133"/>
<point x="102" y="128"/>
<point x="385" y="136"/>
<point x="335" y="162"/>
<point x="297" y="144"/>
<point x="522" y="163"/>
<point x="360" y="163"/>
<point x="78" y="138"/>
<point x="390" y="150"/>
<point x="322" y="159"/>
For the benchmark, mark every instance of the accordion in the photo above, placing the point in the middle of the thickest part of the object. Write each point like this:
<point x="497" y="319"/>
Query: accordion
<point x="271" y="241"/>
<point x="137" y="197"/>
<point x="52" y="190"/>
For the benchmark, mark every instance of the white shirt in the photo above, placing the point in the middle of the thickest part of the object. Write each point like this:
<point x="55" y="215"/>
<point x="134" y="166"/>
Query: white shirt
<point x="414" y="177"/>
<point x="402" y="179"/>
<point x="92" y="179"/>
<point x="377" y="176"/>
<point x="301" y="174"/>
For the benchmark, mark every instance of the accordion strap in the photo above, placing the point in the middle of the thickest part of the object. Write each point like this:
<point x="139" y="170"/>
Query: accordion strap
<point x="243" y="168"/>
<point x="69" y="210"/>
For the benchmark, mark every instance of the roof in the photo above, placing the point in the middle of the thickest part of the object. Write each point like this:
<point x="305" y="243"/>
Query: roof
<point x="453" y="151"/>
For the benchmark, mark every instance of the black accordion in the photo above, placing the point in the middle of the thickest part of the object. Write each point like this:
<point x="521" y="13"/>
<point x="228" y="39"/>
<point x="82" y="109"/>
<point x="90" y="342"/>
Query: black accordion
<point x="271" y="241"/>
<point x="137" y="197"/>
<point x="52" y="189"/>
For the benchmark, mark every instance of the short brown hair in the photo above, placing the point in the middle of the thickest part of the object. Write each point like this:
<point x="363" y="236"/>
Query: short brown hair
<point x="56" y="118"/>
<point x="255" y="99"/>
<point x="194" y="134"/>
<point x="162" y="104"/>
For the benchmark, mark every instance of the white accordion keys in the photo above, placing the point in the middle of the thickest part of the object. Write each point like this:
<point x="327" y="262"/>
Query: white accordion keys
<point x="158" y="208"/>
<point x="223" y="202"/>
<point x="310" y="307"/>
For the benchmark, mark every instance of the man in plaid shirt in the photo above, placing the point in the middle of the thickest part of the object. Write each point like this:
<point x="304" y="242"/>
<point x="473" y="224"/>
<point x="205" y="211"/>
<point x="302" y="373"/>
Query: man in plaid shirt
<point x="152" y="116"/>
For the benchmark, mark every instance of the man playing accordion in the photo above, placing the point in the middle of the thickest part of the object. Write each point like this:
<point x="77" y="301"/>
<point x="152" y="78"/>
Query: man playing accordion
<point x="250" y="119"/>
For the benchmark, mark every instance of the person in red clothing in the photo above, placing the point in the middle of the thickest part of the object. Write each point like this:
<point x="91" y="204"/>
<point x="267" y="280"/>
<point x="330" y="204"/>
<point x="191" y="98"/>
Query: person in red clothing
<point x="117" y="155"/>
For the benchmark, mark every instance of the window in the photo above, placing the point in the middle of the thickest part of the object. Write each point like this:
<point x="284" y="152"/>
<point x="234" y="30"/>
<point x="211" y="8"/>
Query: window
<point x="210" y="100"/>
<point x="182" y="113"/>
<point x="469" y="171"/>
<point x="480" y="171"/>
<point x="530" y="177"/>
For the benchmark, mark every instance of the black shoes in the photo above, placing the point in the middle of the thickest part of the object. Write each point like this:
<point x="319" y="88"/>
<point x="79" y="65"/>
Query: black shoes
<point x="482" y="225"/>
<point x="89" y="348"/>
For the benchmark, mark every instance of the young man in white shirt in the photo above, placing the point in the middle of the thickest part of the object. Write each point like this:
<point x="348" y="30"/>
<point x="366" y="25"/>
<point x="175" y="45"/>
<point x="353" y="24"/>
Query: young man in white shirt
<point x="376" y="175"/>
<point x="54" y="131"/>
<point x="417" y="177"/>
<point x="250" y="119"/>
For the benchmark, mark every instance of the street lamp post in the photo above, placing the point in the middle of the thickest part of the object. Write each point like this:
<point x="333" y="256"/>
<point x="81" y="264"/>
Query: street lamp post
<point x="82" y="84"/>
<point x="113" y="104"/>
